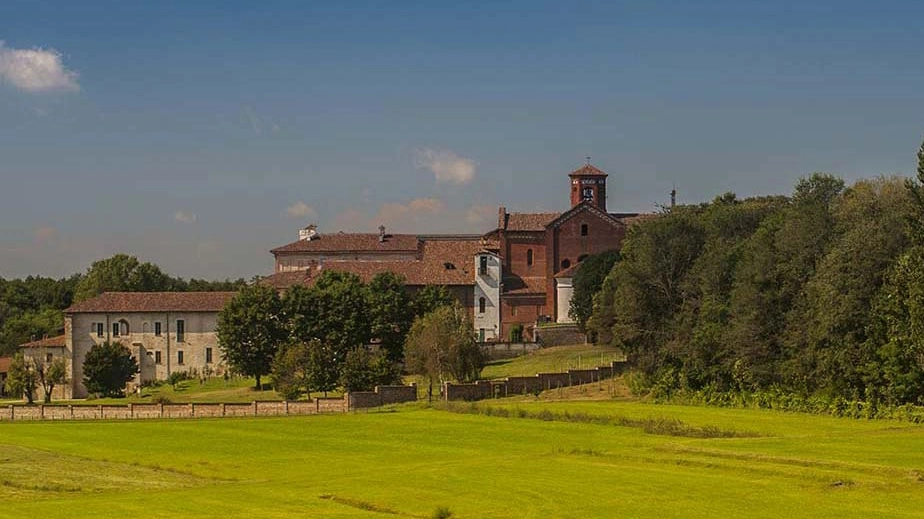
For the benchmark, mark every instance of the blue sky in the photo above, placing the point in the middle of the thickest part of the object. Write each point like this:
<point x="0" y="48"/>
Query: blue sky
<point x="198" y="135"/>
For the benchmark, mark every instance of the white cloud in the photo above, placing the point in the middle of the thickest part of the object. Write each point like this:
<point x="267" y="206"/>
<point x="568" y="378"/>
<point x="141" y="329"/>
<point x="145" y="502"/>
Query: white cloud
<point x="448" y="167"/>
<point x="185" y="217"/>
<point x="301" y="210"/>
<point x="44" y="233"/>
<point x="36" y="70"/>
<point x="481" y="216"/>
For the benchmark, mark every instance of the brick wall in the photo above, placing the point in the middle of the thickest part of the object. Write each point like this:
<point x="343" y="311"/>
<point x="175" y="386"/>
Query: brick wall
<point x="526" y="385"/>
<point x="382" y="395"/>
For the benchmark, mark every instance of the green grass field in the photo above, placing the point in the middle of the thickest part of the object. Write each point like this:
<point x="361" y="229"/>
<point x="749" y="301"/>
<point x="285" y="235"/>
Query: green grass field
<point x="554" y="359"/>
<point x="408" y="461"/>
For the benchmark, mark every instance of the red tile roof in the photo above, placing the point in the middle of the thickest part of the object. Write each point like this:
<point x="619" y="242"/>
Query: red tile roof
<point x="48" y="342"/>
<point x="588" y="170"/>
<point x="444" y="261"/>
<point x="352" y="242"/>
<point x="5" y="364"/>
<point x="528" y="221"/>
<point x="153" y="302"/>
<point x="515" y="285"/>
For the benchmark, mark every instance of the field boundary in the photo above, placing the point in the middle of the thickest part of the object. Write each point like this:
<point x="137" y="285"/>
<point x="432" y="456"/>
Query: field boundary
<point x="509" y="386"/>
<point x="382" y="395"/>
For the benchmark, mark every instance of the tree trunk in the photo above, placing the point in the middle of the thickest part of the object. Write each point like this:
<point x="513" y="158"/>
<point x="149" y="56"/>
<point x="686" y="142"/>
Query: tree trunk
<point x="430" y="391"/>
<point x="259" y="385"/>
<point x="48" y="391"/>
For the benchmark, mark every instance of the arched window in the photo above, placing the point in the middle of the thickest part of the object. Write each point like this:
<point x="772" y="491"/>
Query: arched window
<point x="583" y="229"/>
<point x="565" y="263"/>
<point x="529" y="256"/>
<point x="481" y="305"/>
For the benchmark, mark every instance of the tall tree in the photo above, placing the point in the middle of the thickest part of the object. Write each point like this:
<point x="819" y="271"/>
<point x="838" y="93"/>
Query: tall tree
<point x="390" y="313"/>
<point x="250" y="331"/>
<point x="441" y="344"/>
<point x="22" y="379"/>
<point x="587" y="281"/>
<point x="51" y="374"/>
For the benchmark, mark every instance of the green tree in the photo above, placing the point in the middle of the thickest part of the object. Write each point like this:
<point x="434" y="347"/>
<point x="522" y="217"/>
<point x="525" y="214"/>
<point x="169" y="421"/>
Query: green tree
<point x="587" y="281"/>
<point x="51" y="374"/>
<point x="22" y="379"/>
<point x="292" y="369"/>
<point x="363" y="370"/>
<point x="429" y="298"/>
<point x="390" y="313"/>
<point x="250" y="331"/>
<point x="442" y="344"/>
<point x="107" y="368"/>
<point x="122" y="273"/>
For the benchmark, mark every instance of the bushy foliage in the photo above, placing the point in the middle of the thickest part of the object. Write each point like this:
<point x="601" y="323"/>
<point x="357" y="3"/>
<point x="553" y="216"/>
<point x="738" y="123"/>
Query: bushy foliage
<point x="818" y="293"/>
<point x="107" y="368"/>
<point x="250" y="331"/>
<point x="442" y="345"/>
<point x="364" y="370"/>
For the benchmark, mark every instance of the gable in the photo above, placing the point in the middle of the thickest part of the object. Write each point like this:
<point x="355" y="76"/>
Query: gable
<point x="587" y="209"/>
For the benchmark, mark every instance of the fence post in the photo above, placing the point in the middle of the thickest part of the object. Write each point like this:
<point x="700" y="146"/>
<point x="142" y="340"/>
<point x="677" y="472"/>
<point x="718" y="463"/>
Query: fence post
<point x="70" y="411"/>
<point x="286" y="406"/>
<point x="41" y="411"/>
<point x="101" y="411"/>
<point x="12" y="412"/>
<point x="161" y="410"/>
<point x="223" y="410"/>
<point x="317" y="405"/>
<point x="255" y="408"/>
<point x="192" y="410"/>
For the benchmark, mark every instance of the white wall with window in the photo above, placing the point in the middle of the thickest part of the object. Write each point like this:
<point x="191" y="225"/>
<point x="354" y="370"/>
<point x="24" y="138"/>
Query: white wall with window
<point x="487" y="296"/>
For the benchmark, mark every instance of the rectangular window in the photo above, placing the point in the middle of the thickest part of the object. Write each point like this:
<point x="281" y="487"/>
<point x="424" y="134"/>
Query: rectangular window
<point x="179" y="358"/>
<point x="115" y="329"/>
<point x="99" y="329"/>
<point x="208" y="355"/>
<point x="156" y="357"/>
<point x="483" y="268"/>
<point x="583" y="229"/>
<point x="180" y="330"/>
<point x="157" y="328"/>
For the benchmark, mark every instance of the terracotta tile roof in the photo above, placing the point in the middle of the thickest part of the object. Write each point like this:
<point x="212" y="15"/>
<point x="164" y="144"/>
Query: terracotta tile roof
<point x="529" y="221"/>
<point x="515" y="285"/>
<point x="153" y="302"/>
<point x="284" y="280"/>
<point x="48" y="342"/>
<point x="352" y="242"/>
<point x="634" y="218"/>
<point x="568" y="272"/>
<point x="444" y="261"/>
<point x="588" y="170"/>
<point x="5" y="364"/>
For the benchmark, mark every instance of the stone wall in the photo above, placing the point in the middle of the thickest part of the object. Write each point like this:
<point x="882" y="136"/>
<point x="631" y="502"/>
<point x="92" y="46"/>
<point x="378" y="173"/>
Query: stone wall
<point x="527" y="385"/>
<point x="383" y="395"/>
<point x="506" y="350"/>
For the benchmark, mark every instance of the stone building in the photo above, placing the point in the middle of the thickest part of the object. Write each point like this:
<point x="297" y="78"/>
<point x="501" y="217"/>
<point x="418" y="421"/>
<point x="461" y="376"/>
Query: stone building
<point x="165" y="331"/>
<point x="44" y="351"/>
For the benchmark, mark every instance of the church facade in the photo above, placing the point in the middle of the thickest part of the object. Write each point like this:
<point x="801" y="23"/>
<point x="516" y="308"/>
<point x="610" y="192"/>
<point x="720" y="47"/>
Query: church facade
<point x="510" y="277"/>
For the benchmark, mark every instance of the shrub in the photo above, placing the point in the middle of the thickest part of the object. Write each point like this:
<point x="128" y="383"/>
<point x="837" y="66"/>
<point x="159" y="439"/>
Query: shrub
<point x="441" y="512"/>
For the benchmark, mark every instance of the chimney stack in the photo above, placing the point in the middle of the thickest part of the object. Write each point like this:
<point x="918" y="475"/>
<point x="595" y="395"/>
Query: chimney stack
<point x="673" y="197"/>
<point x="381" y="234"/>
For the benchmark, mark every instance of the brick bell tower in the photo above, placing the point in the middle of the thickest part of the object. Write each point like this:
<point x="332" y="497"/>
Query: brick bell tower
<point x="588" y="183"/>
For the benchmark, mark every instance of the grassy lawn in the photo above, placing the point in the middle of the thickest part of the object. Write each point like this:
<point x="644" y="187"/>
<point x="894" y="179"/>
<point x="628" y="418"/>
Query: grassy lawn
<point x="408" y="461"/>
<point x="554" y="359"/>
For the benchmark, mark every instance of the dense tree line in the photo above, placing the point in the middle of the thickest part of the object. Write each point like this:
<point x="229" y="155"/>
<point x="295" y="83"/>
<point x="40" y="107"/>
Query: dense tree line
<point x="32" y="307"/>
<point x="819" y="293"/>
<point x="314" y="339"/>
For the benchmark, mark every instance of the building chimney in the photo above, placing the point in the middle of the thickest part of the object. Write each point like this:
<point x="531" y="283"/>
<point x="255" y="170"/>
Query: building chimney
<point x="308" y="233"/>
<point x="673" y="197"/>
<point x="381" y="234"/>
